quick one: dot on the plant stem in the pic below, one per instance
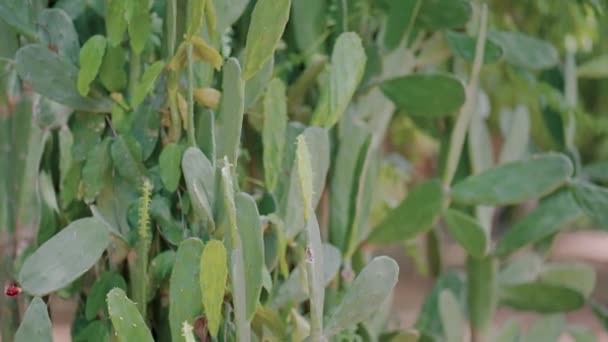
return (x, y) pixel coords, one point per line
(134, 71)
(175, 131)
(571, 95)
(466, 112)
(191, 131)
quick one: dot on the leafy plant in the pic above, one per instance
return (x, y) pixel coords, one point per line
(213, 169)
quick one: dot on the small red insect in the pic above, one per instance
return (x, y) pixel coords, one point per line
(12, 290)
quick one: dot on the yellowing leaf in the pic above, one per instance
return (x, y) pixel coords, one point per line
(208, 97)
(205, 52)
(213, 275)
(304, 175)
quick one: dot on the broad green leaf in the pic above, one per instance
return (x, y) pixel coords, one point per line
(309, 24)
(521, 269)
(514, 182)
(229, 120)
(304, 174)
(576, 276)
(170, 229)
(184, 291)
(414, 215)
(597, 171)
(428, 321)
(251, 235)
(347, 67)
(127, 159)
(595, 68)
(127, 322)
(400, 14)
(169, 163)
(138, 24)
(429, 95)
(96, 298)
(593, 200)
(87, 130)
(229, 207)
(540, 297)
(273, 133)
(481, 291)
(159, 271)
(55, 77)
(228, 11)
(17, 14)
(517, 136)
(508, 332)
(55, 28)
(468, 232)
(268, 21)
(112, 72)
(96, 169)
(545, 329)
(91, 56)
(199, 175)
(371, 287)
(463, 46)
(146, 84)
(96, 331)
(116, 20)
(443, 14)
(452, 318)
(36, 324)
(196, 12)
(525, 51)
(145, 128)
(53, 266)
(214, 266)
(550, 216)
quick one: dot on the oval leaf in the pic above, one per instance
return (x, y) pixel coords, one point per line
(116, 21)
(96, 299)
(36, 324)
(213, 277)
(55, 77)
(576, 276)
(266, 27)
(55, 28)
(543, 298)
(414, 215)
(229, 120)
(524, 51)
(138, 23)
(468, 232)
(515, 182)
(146, 83)
(199, 176)
(273, 133)
(112, 72)
(53, 266)
(91, 56)
(425, 94)
(593, 200)
(452, 317)
(127, 322)
(442, 14)
(169, 163)
(371, 287)
(463, 46)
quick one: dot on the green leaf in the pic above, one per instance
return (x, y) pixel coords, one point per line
(508, 332)
(170, 229)
(196, 12)
(146, 84)
(371, 287)
(525, 51)
(517, 136)
(96, 331)
(414, 215)
(550, 216)
(308, 25)
(468, 232)
(347, 67)
(127, 159)
(55, 77)
(399, 15)
(452, 318)
(481, 291)
(55, 28)
(581, 334)
(112, 72)
(17, 14)
(229, 120)
(463, 46)
(443, 14)
(540, 297)
(116, 21)
(268, 21)
(521, 269)
(228, 11)
(138, 24)
(96, 298)
(127, 322)
(251, 234)
(597, 171)
(429, 322)
(594, 68)
(429, 95)
(53, 266)
(214, 266)
(545, 329)
(601, 313)
(199, 175)
(576, 276)
(304, 174)
(91, 56)
(254, 87)
(96, 170)
(159, 271)
(593, 200)
(36, 324)
(184, 291)
(273, 133)
(146, 128)
(514, 182)
(169, 163)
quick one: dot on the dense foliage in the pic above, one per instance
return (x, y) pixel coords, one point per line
(230, 169)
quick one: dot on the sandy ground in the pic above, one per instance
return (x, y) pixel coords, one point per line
(412, 288)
